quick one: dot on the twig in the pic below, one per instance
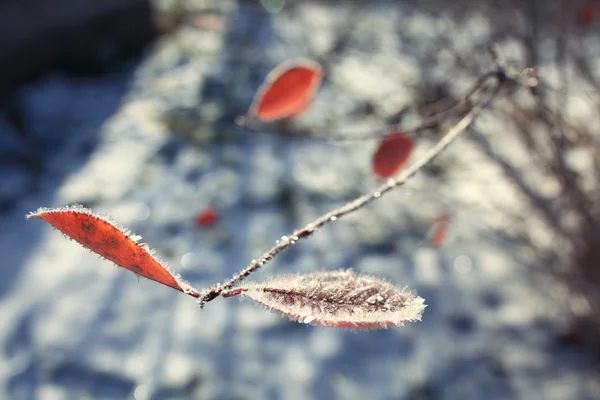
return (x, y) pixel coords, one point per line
(489, 91)
(374, 132)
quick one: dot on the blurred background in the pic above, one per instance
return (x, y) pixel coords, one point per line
(129, 106)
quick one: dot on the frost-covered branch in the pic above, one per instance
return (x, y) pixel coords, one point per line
(488, 89)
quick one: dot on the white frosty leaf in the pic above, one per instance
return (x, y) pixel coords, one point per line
(340, 299)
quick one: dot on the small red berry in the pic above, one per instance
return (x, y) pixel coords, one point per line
(207, 217)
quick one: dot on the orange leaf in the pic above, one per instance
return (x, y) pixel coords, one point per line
(392, 153)
(287, 91)
(111, 242)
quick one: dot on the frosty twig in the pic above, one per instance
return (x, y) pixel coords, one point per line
(487, 88)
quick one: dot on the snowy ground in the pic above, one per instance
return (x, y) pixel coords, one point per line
(156, 143)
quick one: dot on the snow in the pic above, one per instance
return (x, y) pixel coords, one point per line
(139, 146)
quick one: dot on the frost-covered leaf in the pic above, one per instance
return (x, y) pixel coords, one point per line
(391, 154)
(287, 91)
(339, 299)
(107, 239)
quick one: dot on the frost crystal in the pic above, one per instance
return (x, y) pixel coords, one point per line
(340, 299)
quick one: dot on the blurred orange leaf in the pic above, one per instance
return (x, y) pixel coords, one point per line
(287, 91)
(439, 231)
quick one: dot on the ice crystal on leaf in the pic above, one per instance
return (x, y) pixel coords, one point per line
(340, 299)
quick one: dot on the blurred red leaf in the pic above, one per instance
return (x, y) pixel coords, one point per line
(391, 154)
(439, 230)
(339, 299)
(207, 217)
(588, 13)
(287, 91)
(111, 242)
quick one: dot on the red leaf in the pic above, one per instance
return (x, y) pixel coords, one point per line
(392, 153)
(207, 217)
(587, 14)
(339, 299)
(111, 242)
(439, 231)
(287, 91)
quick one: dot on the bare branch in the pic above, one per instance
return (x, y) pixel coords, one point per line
(488, 89)
(372, 132)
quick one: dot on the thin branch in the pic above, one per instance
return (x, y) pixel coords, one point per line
(489, 92)
(374, 132)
